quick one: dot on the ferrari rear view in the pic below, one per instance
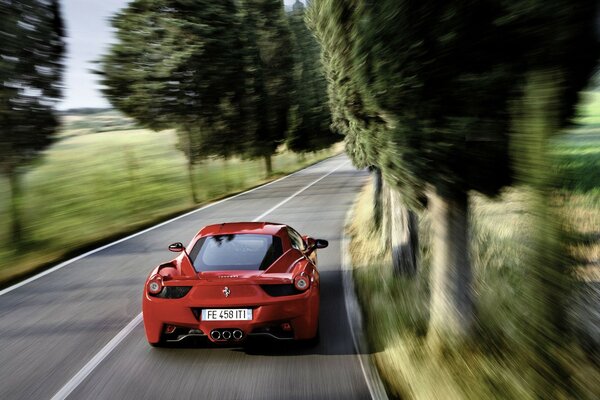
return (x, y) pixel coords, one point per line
(236, 281)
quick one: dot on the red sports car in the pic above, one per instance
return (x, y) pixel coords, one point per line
(236, 280)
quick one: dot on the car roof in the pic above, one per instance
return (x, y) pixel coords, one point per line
(229, 228)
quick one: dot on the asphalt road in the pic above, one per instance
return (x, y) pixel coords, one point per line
(64, 332)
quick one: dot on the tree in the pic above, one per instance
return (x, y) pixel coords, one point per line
(556, 68)
(269, 77)
(31, 54)
(367, 136)
(179, 64)
(447, 100)
(310, 118)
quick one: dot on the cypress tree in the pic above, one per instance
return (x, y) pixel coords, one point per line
(31, 55)
(269, 80)
(445, 79)
(350, 115)
(368, 135)
(179, 64)
(310, 117)
(555, 68)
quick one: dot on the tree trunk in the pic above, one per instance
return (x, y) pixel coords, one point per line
(535, 168)
(16, 227)
(548, 286)
(377, 196)
(268, 165)
(451, 310)
(190, 166)
(403, 233)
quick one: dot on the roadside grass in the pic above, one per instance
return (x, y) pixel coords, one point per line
(589, 110)
(500, 362)
(579, 156)
(88, 188)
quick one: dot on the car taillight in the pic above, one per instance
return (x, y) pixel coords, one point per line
(301, 282)
(155, 285)
(174, 292)
(287, 289)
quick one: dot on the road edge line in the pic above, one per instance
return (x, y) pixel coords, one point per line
(91, 365)
(106, 246)
(355, 320)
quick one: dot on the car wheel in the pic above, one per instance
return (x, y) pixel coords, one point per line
(157, 344)
(313, 342)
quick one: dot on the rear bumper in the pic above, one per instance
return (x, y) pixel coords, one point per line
(300, 311)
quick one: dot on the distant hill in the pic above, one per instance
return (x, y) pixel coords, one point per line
(83, 111)
(83, 121)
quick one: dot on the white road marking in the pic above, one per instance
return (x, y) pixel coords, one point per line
(276, 206)
(354, 314)
(97, 359)
(89, 253)
(91, 365)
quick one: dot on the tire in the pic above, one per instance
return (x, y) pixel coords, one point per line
(313, 342)
(317, 339)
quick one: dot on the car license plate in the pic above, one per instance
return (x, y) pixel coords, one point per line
(227, 314)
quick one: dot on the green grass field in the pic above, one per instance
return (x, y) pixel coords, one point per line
(90, 187)
(499, 363)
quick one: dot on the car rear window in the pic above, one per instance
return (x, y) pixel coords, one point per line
(235, 252)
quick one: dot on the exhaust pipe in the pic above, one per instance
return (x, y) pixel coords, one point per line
(226, 335)
(215, 334)
(238, 334)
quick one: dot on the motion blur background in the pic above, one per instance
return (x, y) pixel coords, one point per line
(475, 247)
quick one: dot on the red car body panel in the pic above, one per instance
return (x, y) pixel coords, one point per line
(298, 313)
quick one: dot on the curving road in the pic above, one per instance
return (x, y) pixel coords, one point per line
(76, 333)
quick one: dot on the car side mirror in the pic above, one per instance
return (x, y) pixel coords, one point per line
(309, 242)
(177, 247)
(321, 243)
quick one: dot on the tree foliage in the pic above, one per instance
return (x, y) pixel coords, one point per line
(220, 72)
(270, 81)
(179, 64)
(310, 118)
(444, 80)
(350, 115)
(31, 54)
(31, 69)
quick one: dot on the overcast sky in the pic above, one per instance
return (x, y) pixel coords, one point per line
(88, 33)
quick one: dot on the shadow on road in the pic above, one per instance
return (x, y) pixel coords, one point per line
(335, 336)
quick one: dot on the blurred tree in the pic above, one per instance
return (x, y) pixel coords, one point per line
(31, 54)
(367, 135)
(556, 67)
(269, 81)
(310, 118)
(444, 78)
(350, 115)
(180, 64)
